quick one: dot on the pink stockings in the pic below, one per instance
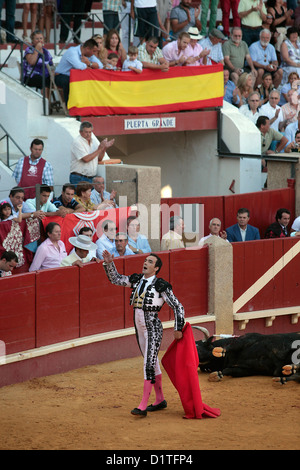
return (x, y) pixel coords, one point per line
(147, 392)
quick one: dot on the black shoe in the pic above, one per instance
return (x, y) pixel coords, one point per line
(138, 412)
(160, 406)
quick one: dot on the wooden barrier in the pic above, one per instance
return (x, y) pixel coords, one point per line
(262, 206)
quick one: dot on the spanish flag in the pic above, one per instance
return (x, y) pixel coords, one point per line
(106, 92)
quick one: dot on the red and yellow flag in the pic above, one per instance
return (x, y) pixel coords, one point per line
(105, 92)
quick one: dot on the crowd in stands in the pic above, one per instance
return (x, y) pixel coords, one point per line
(260, 52)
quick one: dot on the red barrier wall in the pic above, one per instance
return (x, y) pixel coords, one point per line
(56, 305)
(17, 312)
(252, 260)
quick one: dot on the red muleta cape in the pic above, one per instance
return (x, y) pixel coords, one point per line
(181, 364)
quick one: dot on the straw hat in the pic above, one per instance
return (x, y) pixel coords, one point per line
(194, 33)
(83, 242)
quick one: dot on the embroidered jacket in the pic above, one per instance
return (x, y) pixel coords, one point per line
(157, 293)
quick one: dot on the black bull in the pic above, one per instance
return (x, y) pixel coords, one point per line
(251, 354)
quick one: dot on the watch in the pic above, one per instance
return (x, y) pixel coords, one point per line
(31, 215)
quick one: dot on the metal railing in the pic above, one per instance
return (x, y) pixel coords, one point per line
(9, 138)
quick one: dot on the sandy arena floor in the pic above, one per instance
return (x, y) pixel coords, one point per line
(90, 409)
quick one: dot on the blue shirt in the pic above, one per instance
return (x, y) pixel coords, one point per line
(131, 63)
(128, 252)
(229, 88)
(72, 60)
(141, 243)
(261, 55)
(104, 243)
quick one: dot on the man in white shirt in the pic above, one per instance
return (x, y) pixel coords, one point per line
(173, 238)
(215, 229)
(86, 153)
(99, 194)
(83, 245)
(272, 110)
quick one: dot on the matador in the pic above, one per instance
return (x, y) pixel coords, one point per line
(149, 293)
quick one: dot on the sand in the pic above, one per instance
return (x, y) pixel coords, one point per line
(89, 408)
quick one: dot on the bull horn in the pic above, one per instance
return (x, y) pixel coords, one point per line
(204, 331)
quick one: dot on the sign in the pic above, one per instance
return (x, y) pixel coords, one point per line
(156, 123)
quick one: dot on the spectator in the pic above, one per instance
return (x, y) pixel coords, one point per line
(101, 53)
(231, 92)
(122, 248)
(295, 145)
(88, 232)
(46, 16)
(144, 12)
(132, 64)
(173, 238)
(293, 82)
(107, 239)
(265, 88)
(29, 6)
(99, 194)
(51, 252)
(242, 231)
(66, 202)
(214, 43)
(296, 223)
(282, 17)
(113, 45)
(33, 169)
(290, 54)
(47, 207)
(253, 14)
(10, 9)
(290, 110)
(33, 63)
(264, 58)
(183, 17)
(226, 5)
(6, 212)
(110, 9)
(212, 17)
(126, 22)
(71, 11)
(86, 153)
(151, 55)
(16, 199)
(291, 129)
(235, 53)
(214, 229)
(245, 87)
(137, 242)
(197, 55)
(83, 197)
(272, 110)
(176, 51)
(79, 57)
(269, 135)
(278, 229)
(112, 62)
(251, 110)
(83, 245)
(8, 262)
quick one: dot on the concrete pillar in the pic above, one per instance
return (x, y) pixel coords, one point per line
(141, 185)
(220, 290)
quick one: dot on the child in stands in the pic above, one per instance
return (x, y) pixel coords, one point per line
(132, 64)
(112, 61)
(6, 212)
